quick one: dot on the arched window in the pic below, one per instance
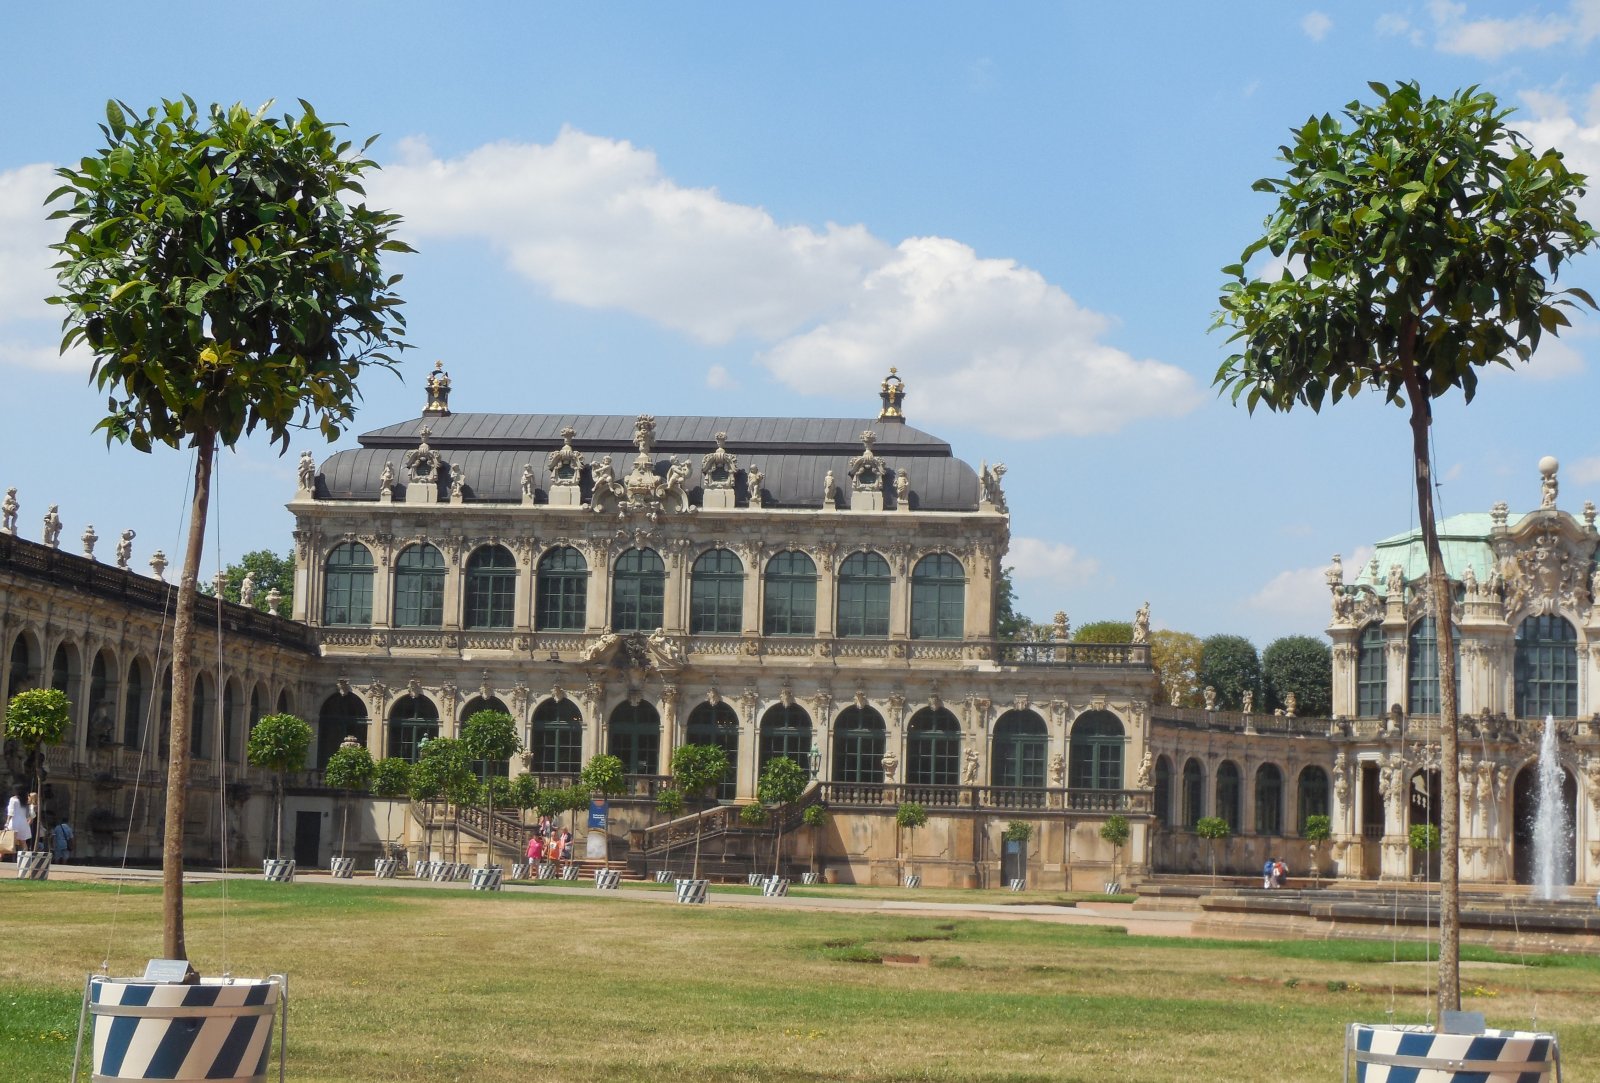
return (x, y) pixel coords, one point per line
(1020, 744)
(1372, 676)
(635, 737)
(716, 594)
(1269, 800)
(1095, 760)
(347, 585)
(199, 740)
(557, 744)
(491, 588)
(232, 706)
(1422, 668)
(412, 720)
(342, 715)
(22, 666)
(863, 597)
(1547, 668)
(717, 724)
(1163, 794)
(933, 748)
(786, 731)
(1227, 808)
(1313, 795)
(561, 589)
(134, 707)
(102, 701)
(1194, 793)
(858, 745)
(938, 598)
(638, 592)
(791, 596)
(419, 587)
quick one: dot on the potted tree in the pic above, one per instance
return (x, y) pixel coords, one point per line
(1216, 829)
(490, 737)
(349, 768)
(425, 783)
(391, 778)
(1015, 840)
(1115, 831)
(601, 776)
(815, 817)
(669, 803)
(782, 782)
(753, 815)
(278, 743)
(908, 817)
(525, 795)
(35, 718)
(695, 769)
(1424, 841)
(1317, 831)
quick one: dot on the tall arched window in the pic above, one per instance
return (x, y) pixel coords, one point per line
(1372, 675)
(933, 748)
(1269, 800)
(716, 594)
(347, 585)
(561, 590)
(419, 587)
(1313, 795)
(1020, 744)
(22, 666)
(1547, 668)
(200, 741)
(134, 707)
(491, 588)
(342, 715)
(1422, 668)
(412, 720)
(938, 598)
(1095, 762)
(102, 701)
(1194, 792)
(638, 592)
(858, 746)
(863, 596)
(1163, 794)
(790, 596)
(557, 744)
(635, 737)
(718, 724)
(786, 731)
(1228, 794)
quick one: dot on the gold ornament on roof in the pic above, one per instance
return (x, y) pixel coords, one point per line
(893, 393)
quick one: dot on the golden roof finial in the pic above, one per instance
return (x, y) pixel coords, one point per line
(893, 393)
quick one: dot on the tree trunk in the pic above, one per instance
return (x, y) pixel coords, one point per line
(277, 808)
(1449, 776)
(777, 847)
(172, 939)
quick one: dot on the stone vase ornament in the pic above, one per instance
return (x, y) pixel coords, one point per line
(33, 864)
(278, 870)
(343, 868)
(147, 1028)
(1389, 1053)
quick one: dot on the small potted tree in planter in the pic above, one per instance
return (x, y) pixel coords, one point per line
(1424, 839)
(36, 718)
(753, 815)
(603, 776)
(350, 768)
(669, 803)
(814, 817)
(278, 743)
(391, 778)
(491, 738)
(695, 769)
(525, 795)
(1216, 829)
(909, 816)
(1317, 831)
(1115, 831)
(1015, 839)
(781, 784)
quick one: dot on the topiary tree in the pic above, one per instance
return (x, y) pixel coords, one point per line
(669, 802)
(1420, 238)
(1230, 665)
(1318, 829)
(391, 778)
(278, 743)
(35, 718)
(753, 815)
(909, 816)
(1302, 665)
(1216, 829)
(781, 783)
(490, 737)
(349, 768)
(224, 270)
(1104, 631)
(444, 771)
(1115, 831)
(815, 817)
(695, 769)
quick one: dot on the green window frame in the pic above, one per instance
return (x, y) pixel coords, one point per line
(1547, 668)
(1313, 796)
(933, 748)
(716, 594)
(938, 598)
(1194, 792)
(561, 591)
(786, 731)
(1372, 674)
(859, 740)
(638, 592)
(1163, 791)
(1422, 668)
(1094, 754)
(634, 737)
(419, 587)
(347, 585)
(790, 595)
(718, 724)
(1227, 806)
(1021, 743)
(863, 606)
(1269, 799)
(491, 588)
(556, 738)
(413, 720)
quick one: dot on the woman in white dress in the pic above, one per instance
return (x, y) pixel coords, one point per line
(17, 820)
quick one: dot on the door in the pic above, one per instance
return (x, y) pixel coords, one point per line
(307, 839)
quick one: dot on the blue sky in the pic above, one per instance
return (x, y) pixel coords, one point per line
(747, 209)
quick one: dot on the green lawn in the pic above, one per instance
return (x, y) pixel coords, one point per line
(399, 984)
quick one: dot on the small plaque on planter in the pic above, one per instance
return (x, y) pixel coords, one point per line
(170, 972)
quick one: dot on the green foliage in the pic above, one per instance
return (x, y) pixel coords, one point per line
(490, 736)
(669, 802)
(38, 717)
(696, 768)
(1424, 837)
(224, 269)
(271, 571)
(1009, 624)
(426, 779)
(814, 815)
(576, 798)
(1104, 631)
(1229, 664)
(447, 763)
(602, 774)
(1115, 831)
(391, 777)
(782, 781)
(526, 791)
(1017, 831)
(910, 814)
(1175, 656)
(1212, 827)
(1318, 828)
(498, 789)
(753, 815)
(350, 768)
(1302, 665)
(278, 742)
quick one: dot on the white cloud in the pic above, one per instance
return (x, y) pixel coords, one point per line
(1585, 471)
(595, 222)
(1301, 594)
(1554, 124)
(1398, 26)
(1490, 39)
(1316, 25)
(719, 379)
(29, 328)
(1050, 563)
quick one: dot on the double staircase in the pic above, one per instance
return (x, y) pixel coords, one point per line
(727, 846)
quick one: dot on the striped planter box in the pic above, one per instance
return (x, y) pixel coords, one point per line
(810, 878)
(440, 870)
(755, 879)
(1113, 887)
(569, 872)
(343, 868)
(547, 870)
(279, 871)
(384, 868)
(1019, 885)
(33, 864)
(692, 891)
(219, 1029)
(423, 870)
(519, 871)
(462, 871)
(607, 879)
(1402, 1054)
(488, 879)
(663, 876)
(775, 887)
(913, 880)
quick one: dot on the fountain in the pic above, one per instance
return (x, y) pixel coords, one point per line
(1550, 843)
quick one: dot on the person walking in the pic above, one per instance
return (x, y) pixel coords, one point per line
(1266, 874)
(61, 839)
(17, 820)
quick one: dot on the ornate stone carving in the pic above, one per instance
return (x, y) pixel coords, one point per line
(438, 387)
(1546, 575)
(422, 462)
(1395, 587)
(1062, 627)
(1058, 769)
(719, 468)
(52, 527)
(458, 481)
(866, 470)
(158, 565)
(891, 764)
(247, 589)
(89, 538)
(1249, 700)
(274, 599)
(1588, 514)
(1141, 624)
(386, 480)
(989, 490)
(1549, 487)
(1142, 779)
(902, 490)
(754, 479)
(377, 694)
(601, 648)
(1210, 698)
(564, 465)
(307, 472)
(1498, 514)
(125, 549)
(969, 766)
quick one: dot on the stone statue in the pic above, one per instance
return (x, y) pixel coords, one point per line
(1058, 769)
(458, 480)
(1469, 581)
(158, 565)
(665, 651)
(601, 649)
(1548, 486)
(605, 482)
(677, 483)
(891, 764)
(52, 527)
(125, 549)
(527, 481)
(969, 767)
(1142, 779)
(1249, 700)
(989, 490)
(422, 462)
(1397, 581)
(1141, 624)
(247, 589)
(564, 465)
(308, 472)
(88, 539)
(902, 486)
(8, 511)
(719, 468)
(1211, 698)
(644, 433)
(1061, 626)
(827, 487)
(753, 479)
(1289, 704)
(386, 479)
(1335, 573)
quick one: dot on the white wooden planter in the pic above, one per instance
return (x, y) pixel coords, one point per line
(692, 891)
(219, 1029)
(488, 879)
(1385, 1053)
(384, 868)
(775, 887)
(278, 870)
(663, 876)
(343, 868)
(810, 878)
(607, 879)
(33, 864)
(913, 880)
(569, 872)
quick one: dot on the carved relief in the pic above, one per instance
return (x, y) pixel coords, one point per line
(564, 465)
(866, 470)
(718, 468)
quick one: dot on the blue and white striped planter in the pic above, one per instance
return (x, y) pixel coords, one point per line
(440, 870)
(913, 880)
(569, 872)
(810, 878)
(423, 870)
(488, 879)
(219, 1029)
(278, 870)
(384, 868)
(607, 879)
(775, 887)
(547, 870)
(343, 868)
(755, 879)
(663, 876)
(692, 891)
(1113, 887)
(519, 870)
(462, 871)
(33, 864)
(1407, 1054)
(1019, 884)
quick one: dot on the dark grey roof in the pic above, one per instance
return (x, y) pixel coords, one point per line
(794, 454)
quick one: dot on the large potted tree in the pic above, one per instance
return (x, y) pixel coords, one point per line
(908, 817)
(1216, 830)
(695, 769)
(814, 817)
(1317, 831)
(36, 718)
(601, 777)
(781, 784)
(669, 803)
(1115, 832)
(349, 769)
(224, 270)
(490, 738)
(278, 743)
(391, 778)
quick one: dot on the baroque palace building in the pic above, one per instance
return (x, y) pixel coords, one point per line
(820, 589)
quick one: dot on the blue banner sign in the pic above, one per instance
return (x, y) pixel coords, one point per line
(597, 813)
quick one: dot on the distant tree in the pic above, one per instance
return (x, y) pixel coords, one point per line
(1116, 832)
(815, 817)
(271, 571)
(391, 778)
(1176, 659)
(669, 803)
(490, 737)
(1302, 665)
(1009, 623)
(35, 718)
(1104, 631)
(444, 770)
(1230, 665)
(349, 768)
(782, 782)
(909, 816)
(278, 743)
(695, 769)
(1217, 830)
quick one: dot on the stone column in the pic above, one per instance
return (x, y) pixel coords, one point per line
(675, 598)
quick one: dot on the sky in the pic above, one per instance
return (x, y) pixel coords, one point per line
(751, 209)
